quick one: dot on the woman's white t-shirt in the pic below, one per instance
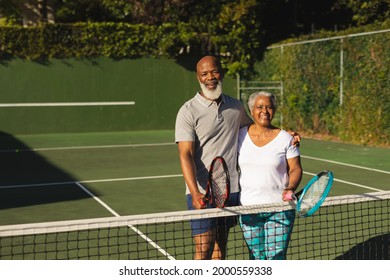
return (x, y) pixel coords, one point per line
(264, 173)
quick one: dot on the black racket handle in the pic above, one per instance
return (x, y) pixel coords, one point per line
(205, 200)
(298, 194)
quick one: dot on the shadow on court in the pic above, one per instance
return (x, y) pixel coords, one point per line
(27, 178)
(376, 248)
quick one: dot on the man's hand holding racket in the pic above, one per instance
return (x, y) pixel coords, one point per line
(197, 201)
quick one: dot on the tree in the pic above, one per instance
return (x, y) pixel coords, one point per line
(151, 12)
(9, 13)
(13, 12)
(365, 12)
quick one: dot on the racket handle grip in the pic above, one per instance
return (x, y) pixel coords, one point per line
(204, 201)
(290, 196)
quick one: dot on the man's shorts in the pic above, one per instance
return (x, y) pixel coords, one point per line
(199, 226)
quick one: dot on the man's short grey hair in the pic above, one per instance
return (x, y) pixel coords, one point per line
(253, 96)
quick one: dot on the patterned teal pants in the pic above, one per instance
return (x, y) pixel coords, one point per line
(268, 234)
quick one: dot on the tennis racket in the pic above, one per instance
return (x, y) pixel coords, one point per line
(218, 185)
(310, 198)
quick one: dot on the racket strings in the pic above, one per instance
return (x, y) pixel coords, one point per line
(314, 193)
(219, 184)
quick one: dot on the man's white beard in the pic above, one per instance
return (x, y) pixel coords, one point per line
(212, 94)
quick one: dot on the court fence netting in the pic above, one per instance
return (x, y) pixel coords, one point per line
(351, 227)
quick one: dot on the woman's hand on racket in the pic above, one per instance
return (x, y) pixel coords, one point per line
(288, 195)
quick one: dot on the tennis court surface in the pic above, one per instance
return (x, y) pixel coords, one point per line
(120, 195)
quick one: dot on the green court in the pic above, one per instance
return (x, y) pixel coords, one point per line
(139, 172)
(57, 177)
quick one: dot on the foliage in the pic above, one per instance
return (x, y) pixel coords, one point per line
(10, 12)
(311, 78)
(232, 33)
(366, 12)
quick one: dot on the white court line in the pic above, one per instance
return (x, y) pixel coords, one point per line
(87, 147)
(147, 178)
(346, 164)
(133, 178)
(348, 183)
(97, 199)
(167, 144)
(141, 234)
(90, 181)
(65, 104)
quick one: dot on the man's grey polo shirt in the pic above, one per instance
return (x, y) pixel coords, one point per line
(214, 129)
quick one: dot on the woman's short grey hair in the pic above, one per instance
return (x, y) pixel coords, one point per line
(253, 96)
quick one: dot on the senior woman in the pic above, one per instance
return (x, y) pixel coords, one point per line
(270, 172)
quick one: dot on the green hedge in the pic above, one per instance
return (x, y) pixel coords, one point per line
(123, 41)
(113, 40)
(311, 79)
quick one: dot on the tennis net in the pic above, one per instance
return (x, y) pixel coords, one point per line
(345, 227)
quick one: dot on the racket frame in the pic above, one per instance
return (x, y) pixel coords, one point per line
(209, 196)
(325, 193)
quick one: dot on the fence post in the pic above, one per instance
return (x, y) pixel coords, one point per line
(238, 86)
(341, 70)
